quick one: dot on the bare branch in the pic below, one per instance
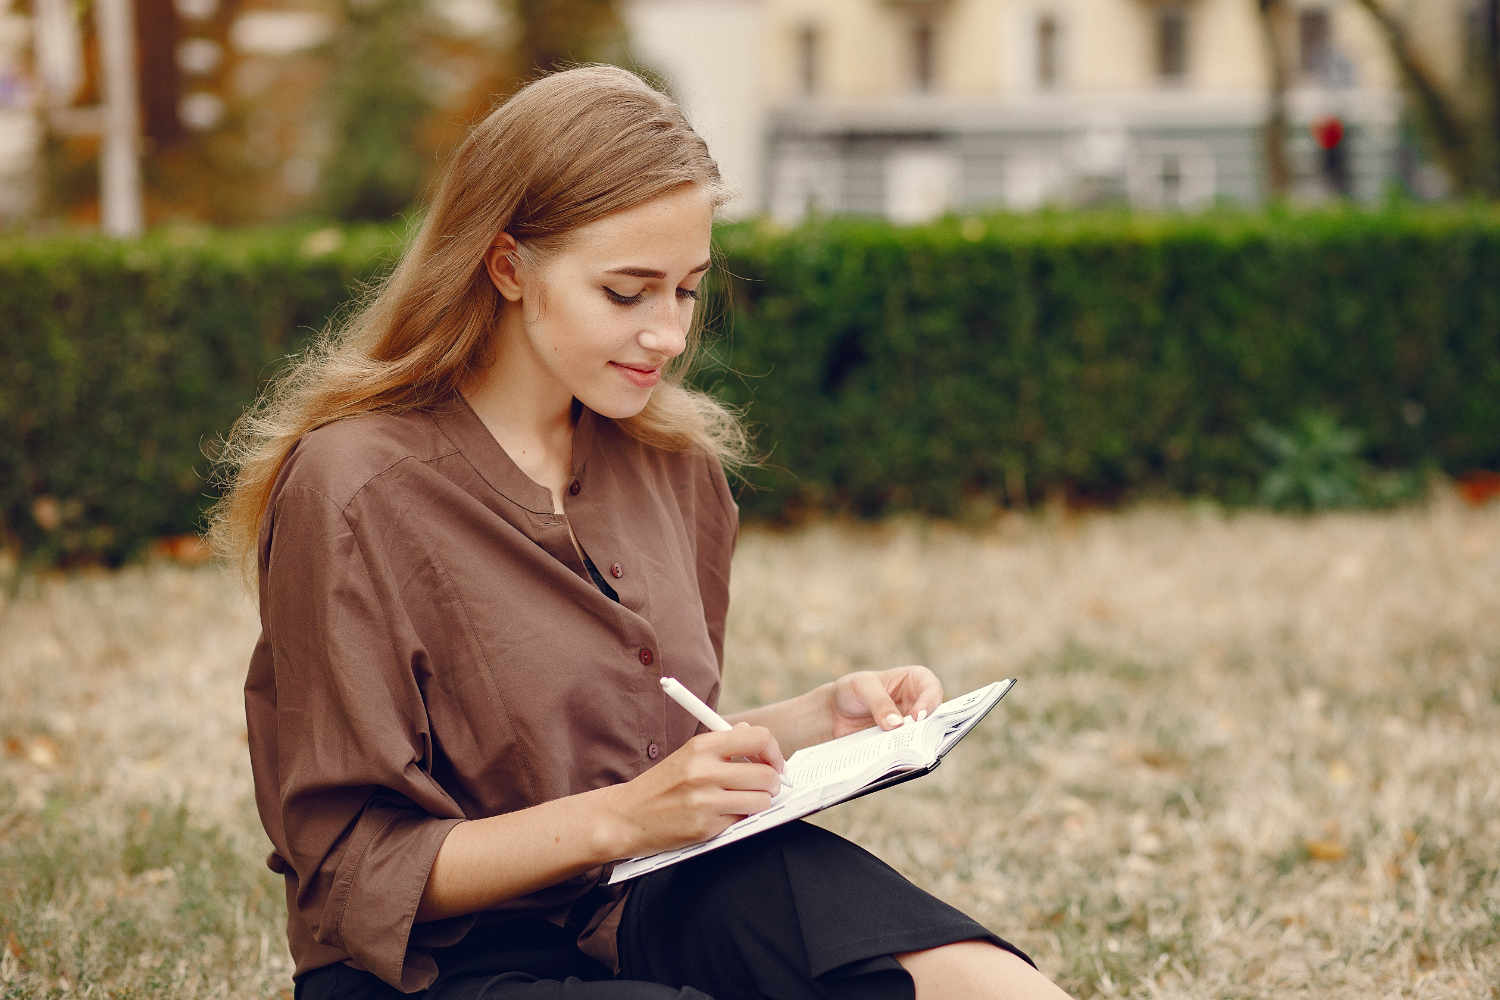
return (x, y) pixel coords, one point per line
(1448, 126)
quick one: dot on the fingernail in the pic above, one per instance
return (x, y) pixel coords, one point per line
(922, 715)
(893, 720)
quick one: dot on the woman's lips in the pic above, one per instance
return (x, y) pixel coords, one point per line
(641, 378)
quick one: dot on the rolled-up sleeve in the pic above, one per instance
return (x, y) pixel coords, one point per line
(361, 816)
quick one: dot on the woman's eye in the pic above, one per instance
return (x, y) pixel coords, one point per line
(624, 300)
(630, 300)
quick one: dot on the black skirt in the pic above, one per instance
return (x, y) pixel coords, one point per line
(795, 913)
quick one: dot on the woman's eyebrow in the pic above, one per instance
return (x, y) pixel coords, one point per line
(646, 272)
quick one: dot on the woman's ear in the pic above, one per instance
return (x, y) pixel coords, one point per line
(500, 262)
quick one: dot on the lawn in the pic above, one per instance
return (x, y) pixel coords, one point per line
(1248, 755)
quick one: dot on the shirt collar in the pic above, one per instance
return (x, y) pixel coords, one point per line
(473, 439)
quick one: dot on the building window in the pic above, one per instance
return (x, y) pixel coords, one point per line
(1171, 44)
(1048, 56)
(924, 68)
(807, 59)
(1314, 42)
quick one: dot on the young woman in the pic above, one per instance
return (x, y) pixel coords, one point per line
(486, 518)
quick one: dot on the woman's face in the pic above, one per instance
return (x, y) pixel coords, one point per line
(603, 315)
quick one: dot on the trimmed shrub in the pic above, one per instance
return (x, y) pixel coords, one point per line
(1106, 355)
(888, 368)
(122, 362)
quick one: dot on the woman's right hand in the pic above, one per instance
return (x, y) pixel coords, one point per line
(692, 795)
(697, 792)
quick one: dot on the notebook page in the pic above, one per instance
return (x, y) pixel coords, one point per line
(790, 804)
(965, 703)
(835, 771)
(962, 713)
(837, 758)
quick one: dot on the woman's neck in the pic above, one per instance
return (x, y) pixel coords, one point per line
(529, 413)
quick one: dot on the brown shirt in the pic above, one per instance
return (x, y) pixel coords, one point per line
(433, 650)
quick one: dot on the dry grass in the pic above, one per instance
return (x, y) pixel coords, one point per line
(1249, 756)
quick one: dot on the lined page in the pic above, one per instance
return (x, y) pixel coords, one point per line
(831, 760)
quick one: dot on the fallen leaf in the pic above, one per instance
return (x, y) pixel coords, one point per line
(1326, 850)
(1479, 487)
(187, 549)
(156, 876)
(1339, 773)
(47, 513)
(43, 751)
(14, 747)
(1159, 759)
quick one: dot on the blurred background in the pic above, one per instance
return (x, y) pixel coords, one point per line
(270, 110)
(1145, 350)
(994, 251)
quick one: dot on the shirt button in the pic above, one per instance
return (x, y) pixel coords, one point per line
(646, 657)
(616, 572)
(574, 487)
(653, 751)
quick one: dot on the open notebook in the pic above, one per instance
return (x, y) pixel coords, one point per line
(844, 769)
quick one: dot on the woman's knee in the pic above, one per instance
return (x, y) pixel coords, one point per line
(976, 970)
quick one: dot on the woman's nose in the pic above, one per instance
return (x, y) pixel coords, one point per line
(666, 334)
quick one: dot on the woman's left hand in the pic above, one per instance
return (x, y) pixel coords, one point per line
(883, 698)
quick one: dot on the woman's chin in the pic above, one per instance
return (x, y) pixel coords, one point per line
(618, 405)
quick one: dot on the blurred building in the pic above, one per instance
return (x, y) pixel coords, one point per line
(223, 90)
(901, 108)
(910, 108)
(713, 56)
(20, 131)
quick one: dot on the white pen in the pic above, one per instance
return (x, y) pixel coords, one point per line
(713, 720)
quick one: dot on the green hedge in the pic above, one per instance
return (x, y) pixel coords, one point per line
(122, 363)
(887, 368)
(1106, 355)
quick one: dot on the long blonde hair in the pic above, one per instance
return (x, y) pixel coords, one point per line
(565, 151)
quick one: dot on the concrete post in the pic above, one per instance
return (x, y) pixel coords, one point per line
(120, 208)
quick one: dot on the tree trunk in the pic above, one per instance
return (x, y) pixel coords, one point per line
(556, 34)
(157, 33)
(1455, 147)
(1272, 15)
(1489, 66)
